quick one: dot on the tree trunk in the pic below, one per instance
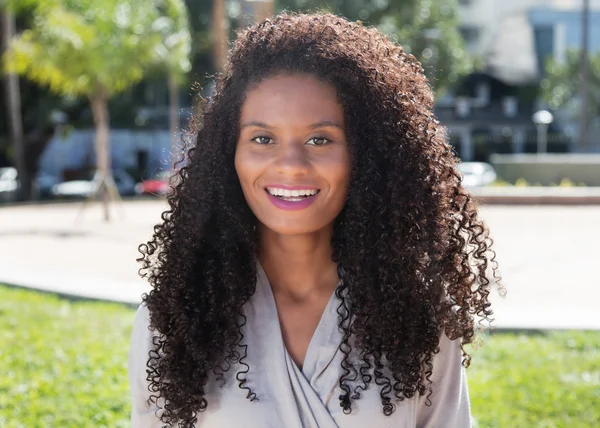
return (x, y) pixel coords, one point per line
(174, 119)
(13, 101)
(220, 31)
(102, 146)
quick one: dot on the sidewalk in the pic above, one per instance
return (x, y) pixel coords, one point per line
(43, 247)
(538, 195)
(547, 254)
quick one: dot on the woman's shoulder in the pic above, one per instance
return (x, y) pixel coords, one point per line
(141, 336)
(142, 314)
(450, 352)
(448, 404)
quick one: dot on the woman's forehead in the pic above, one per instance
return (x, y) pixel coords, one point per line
(300, 97)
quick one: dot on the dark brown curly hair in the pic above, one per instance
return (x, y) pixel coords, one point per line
(415, 260)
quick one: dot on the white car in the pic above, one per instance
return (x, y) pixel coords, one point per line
(9, 184)
(476, 174)
(83, 188)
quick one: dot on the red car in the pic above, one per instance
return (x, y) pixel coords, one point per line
(159, 185)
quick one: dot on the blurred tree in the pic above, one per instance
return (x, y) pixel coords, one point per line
(173, 55)
(96, 49)
(560, 86)
(426, 28)
(13, 102)
(200, 20)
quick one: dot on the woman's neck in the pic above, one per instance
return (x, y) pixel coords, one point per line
(298, 265)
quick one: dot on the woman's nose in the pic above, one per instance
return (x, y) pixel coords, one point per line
(292, 158)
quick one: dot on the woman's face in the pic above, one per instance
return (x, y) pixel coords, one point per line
(292, 157)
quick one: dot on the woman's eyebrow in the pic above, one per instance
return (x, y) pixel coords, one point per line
(256, 124)
(326, 123)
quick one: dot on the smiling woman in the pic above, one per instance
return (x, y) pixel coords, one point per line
(321, 264)
(292, 154)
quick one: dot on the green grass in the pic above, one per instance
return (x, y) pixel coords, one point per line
(538, 381)
(64, 364)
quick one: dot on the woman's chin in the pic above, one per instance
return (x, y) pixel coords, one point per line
(292, 228)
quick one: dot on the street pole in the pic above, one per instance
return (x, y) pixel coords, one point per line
(264, 9)
(15, 123)
(585, 76)
(220, 33)
(257, 10)
(542, 137)
(542, 120)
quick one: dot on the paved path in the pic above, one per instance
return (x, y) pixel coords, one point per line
(549, 257)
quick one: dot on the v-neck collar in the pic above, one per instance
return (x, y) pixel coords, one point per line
(322, 338)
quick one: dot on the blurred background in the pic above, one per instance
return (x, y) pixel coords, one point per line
(95, 102)
(493, 64)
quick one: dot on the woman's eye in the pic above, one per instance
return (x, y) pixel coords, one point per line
(262, 140)
(318, 141)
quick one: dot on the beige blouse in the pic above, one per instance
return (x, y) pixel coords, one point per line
(307, 398)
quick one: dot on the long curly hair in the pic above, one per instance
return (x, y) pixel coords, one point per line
(414, 258)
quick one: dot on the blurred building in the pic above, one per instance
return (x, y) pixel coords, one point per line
(135, 154)
(140, 151)
(491, 111)
(514, 36)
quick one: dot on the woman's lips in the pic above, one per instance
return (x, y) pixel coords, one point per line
(283, 204)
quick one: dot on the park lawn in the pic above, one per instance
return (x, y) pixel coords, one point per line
(543, 380)
(64, 364)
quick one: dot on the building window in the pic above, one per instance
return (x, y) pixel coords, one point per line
(510, 107)
(544, 45)
(463, 108)
(469, 34)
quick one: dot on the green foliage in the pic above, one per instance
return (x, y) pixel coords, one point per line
(561, 85)
(200, 18)
(78, 47)
(174, 50)
(64, 365)
(18, 5)
(546, 380)
(426, 28)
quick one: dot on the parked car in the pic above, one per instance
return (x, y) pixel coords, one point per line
(158, 185)
(9, 184)
(80, 189)
(476, 174)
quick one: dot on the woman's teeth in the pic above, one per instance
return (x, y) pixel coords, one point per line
(292, 195)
